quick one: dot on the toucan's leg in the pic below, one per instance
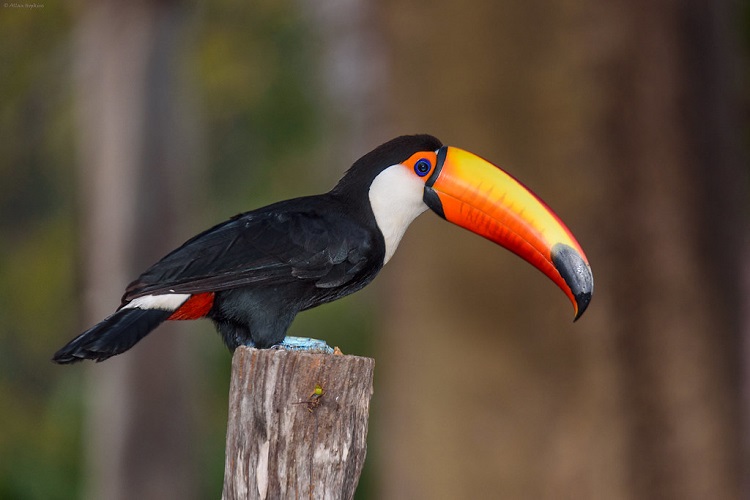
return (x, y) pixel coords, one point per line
(304, 344)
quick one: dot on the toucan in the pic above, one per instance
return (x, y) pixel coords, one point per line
(253, 273)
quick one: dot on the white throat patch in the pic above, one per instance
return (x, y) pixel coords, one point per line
(396, 200)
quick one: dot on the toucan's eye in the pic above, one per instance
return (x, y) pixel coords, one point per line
(422, 167)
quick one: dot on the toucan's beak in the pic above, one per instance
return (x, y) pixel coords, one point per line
(477, 195)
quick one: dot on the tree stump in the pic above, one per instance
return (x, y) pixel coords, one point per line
(297, 424)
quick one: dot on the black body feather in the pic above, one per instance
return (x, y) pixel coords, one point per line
(267, 265)
(114, 335)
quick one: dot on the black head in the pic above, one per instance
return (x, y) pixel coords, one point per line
(360, 176)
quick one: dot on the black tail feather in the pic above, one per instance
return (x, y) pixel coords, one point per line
(114, 335)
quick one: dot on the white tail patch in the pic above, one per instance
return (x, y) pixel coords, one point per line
(165, 302)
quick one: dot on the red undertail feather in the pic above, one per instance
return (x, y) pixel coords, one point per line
(197, 306)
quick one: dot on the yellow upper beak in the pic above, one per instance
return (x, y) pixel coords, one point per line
(477, 195)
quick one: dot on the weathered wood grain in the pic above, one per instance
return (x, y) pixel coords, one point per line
(285, 439)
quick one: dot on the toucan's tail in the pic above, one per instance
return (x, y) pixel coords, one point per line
(114, 335)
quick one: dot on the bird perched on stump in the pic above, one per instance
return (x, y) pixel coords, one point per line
(252, 274)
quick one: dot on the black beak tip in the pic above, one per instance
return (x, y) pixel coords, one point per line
(582, 300)
(576, 273)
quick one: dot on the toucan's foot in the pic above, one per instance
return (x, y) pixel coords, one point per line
(304, 344)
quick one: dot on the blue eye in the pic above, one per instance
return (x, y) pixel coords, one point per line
(422, 167)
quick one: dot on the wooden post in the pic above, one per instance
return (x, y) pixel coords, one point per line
(297, 424)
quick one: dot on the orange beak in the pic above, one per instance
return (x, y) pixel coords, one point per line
(477, 195)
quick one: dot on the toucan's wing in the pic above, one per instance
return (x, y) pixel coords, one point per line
(281, 243)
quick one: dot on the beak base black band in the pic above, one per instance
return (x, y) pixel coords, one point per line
(430, 197)
(441, 154)
(432, 200)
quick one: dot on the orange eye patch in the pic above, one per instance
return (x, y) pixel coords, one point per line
(421, 163)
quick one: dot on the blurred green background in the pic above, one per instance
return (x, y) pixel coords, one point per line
(629, 119)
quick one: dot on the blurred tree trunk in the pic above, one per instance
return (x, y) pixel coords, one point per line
(669, 133)
(135, 180)
(352, 76)
(620, 116)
